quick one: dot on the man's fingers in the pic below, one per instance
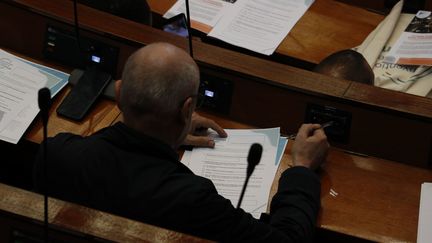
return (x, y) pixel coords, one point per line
(208, 123)
(319, 133)
(201, 141)
(307, 129)
(217, 128)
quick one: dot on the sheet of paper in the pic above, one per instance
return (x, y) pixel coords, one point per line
(373, 45)
(226, 166)
(207, 12)
(414, 46)
(19, 84)
(424, 232)
(412, 79)
(283, 141)
(56, 80)
(259, 25)
(20, 81)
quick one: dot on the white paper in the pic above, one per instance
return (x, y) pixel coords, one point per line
(414, 46)
(20, 81)
(204, 11)
(412, 79)
(259, 25)
(225, 165)
(424, 231)
(373, 45)
(19, 85)
(283, 141)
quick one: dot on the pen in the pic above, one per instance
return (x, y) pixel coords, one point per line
(324, 125)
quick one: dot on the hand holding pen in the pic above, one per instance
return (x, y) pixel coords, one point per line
(310, 147)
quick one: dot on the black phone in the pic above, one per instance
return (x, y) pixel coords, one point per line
(84, 94)
(177, 25)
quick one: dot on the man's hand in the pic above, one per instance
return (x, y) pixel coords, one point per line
(198, 134)
(310, 146)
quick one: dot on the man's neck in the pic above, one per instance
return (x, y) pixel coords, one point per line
(162, 130)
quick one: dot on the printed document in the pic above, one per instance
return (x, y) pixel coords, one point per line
(412, 79)
(20, 81)
(259, 25)
(225, 165)
(424, 232)
(414, 46)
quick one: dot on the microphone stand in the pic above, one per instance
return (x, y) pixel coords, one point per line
(243, 191)
(77, 35)
(253, 159)
(44, 100)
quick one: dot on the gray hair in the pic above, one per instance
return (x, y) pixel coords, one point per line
(157, 82)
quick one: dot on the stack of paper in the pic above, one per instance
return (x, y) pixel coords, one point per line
(20, 81)
(377, 48)
(414, 44)
(257, 25)
(424, 232)
(226, 165)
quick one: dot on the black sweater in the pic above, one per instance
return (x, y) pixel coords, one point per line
(120, 171)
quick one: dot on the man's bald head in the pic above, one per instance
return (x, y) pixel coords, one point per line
(156, 80)
(346, 64)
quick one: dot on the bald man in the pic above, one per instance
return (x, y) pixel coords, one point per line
(132, 168)
(346, 64)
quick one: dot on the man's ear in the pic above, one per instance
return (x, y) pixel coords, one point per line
(187, 110)
(117, 88)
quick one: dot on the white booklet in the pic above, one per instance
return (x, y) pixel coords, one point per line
(424, 232)
(414, 46)
(20, 81)
(225, 165)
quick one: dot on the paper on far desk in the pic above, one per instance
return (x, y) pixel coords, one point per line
(207, 12)
(20, 81)
(226, 166)
(414, 46)
(259, 25)
(424, 231)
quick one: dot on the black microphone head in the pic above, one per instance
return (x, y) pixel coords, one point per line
(44, 99)
(254, 155)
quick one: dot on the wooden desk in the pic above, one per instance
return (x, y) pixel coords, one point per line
(280, 93)
(377, 199)
(328, 26)
(101, 115)
(364, 197)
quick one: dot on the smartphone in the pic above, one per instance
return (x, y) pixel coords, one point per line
(84, 94)
(177, 25)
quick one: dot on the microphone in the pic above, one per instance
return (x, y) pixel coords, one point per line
(253, 160)
(44, 101)
(189, 28)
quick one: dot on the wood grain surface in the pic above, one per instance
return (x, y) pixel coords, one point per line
(67, 217)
